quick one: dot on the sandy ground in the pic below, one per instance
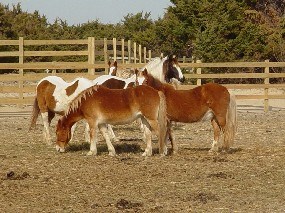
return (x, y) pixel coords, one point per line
(251, 178)
(35, 178)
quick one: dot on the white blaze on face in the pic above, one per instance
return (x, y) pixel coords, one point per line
(111, 70)
(180, 74)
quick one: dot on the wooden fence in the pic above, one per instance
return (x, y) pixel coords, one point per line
(18, 88)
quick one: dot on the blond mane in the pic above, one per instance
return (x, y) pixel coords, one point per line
(76, 102)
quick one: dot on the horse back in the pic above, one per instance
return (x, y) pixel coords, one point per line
(45, 98)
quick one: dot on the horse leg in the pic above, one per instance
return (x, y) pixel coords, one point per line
(171, 138)
(72, 131)
(104, 129)
(155, 127)
(87, 133)
(93, 140)
(147, 134)
(112, 134)
(46, 133)
(217, 130)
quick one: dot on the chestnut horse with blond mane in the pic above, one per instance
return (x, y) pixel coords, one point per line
(100, 106)
(210, 101)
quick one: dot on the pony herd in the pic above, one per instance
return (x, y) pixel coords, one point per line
(146, 95)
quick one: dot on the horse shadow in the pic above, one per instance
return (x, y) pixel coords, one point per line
(230, 151)
(121, 147)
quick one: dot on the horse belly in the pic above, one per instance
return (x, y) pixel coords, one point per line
(119, 118)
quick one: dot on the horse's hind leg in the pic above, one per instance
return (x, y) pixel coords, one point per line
(104, 129)
(93, 140)
(171, 138)
(73, 128)
(46, 133)
(112, 134)
(217, 131)
(147, 135)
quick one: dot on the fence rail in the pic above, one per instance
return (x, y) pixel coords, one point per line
(19, 89)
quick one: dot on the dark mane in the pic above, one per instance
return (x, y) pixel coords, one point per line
(75, 103)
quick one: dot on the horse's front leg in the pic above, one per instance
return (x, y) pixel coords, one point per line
(93, 140)
(46, 134)
(104, 129)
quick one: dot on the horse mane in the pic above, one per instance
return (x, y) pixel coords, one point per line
(158, 84)
(76, 102)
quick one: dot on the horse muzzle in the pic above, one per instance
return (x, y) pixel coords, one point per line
(59, 149)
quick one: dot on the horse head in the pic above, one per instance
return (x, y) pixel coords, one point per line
(113, 67)
(63, 135)
(172, 69)
(144, 78)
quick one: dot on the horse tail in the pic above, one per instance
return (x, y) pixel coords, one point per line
(35, 113)
(162, 120)
(231, 123)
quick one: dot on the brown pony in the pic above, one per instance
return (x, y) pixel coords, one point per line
(210, 101)
(100, 106)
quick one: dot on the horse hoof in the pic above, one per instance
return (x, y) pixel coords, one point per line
(112, 154)
(116, 140)
(147, 154)
(59, 149)
(90, 153)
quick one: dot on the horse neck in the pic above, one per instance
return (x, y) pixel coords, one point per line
(161, 86)
(72, 117)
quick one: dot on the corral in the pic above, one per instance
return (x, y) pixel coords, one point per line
(35, 178)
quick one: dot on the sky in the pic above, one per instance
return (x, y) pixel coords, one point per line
(81, 11)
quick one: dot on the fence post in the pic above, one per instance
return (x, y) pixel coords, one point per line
(91, 54)
(115, 49)
(266, 90)
(184, 59)
(123, 51)
(106, 55)
(140, 53)
(129, 51)
(199, 71)
(135, 52)
(149, 55)
(21, 71)
(144, 55)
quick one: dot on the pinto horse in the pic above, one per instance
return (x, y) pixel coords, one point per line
(53, 95)
(100, 106)
(114, 71)
(165, 69)
(207, 102)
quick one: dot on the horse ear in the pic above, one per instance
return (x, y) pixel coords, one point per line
(136, 71)
(115, 64)
(109, 63)
(145, 71)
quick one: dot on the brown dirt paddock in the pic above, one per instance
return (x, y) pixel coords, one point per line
(251, 178)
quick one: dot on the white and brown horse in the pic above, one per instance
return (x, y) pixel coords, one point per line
(100, 106)
(53, 95)
(207, 102)
(165, 69)
(121, 73)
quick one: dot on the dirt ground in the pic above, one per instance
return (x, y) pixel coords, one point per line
(251, 178)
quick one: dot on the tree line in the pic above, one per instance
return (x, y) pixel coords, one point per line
(211, 30)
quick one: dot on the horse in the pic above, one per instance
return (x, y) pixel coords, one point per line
(53, 95)
(114, 71)
(165, 69)
(210, 101)
(100, 106)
